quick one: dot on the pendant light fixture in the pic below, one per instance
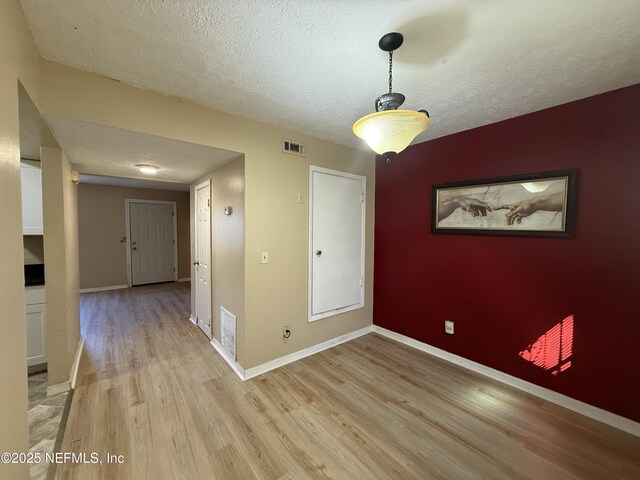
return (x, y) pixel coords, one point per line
(389, 130)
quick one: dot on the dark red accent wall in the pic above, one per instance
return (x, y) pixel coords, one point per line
(504, 292)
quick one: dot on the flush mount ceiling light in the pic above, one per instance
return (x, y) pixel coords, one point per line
(389, 130)
(148, 169)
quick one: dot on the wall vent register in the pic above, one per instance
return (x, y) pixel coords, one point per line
(228, 331)
(293, 148)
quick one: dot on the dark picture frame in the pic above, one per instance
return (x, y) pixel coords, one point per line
(529, 205)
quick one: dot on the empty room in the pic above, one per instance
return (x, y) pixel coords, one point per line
(281, 239)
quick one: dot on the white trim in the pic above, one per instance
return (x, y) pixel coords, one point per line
(186, 279)
(227, 358)
(572, 404)
(102, 289)
(300, 354)
(76, 363)
(287, 359)
(127, 233)
(127, 207)
(193, 319)
(363, 181)
(206, 330)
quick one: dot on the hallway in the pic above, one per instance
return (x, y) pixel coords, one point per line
(152, 389)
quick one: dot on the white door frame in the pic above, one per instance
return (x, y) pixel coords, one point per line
(194, 280)
(363, 180)
(127, 209)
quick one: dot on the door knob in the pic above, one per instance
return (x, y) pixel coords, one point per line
(134, 248)
(196, 263)
(318, 252)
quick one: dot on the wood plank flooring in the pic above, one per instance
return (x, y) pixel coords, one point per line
(45, 419)
(152, 389)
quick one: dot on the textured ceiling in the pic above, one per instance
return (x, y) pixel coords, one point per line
(133, 183)
(101, 150)
(314, 66)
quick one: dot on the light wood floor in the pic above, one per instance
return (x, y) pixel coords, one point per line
(45, 418)
(151, 388)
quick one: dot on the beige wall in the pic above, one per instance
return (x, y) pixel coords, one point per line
(277, 292)
(227, 243)
(274, 220)
(59, 199)
(20, 62)
(101, 219)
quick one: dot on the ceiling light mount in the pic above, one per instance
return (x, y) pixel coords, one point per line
(390, 101)
(389, 130)
(391, 41)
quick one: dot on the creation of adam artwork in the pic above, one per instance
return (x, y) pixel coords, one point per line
(532, 204)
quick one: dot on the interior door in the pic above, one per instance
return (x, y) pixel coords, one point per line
(36, 335)
(337, 220)
(152, 242)
(203, 257)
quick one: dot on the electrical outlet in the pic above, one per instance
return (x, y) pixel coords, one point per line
(265, 257)
(286, 332)
(448, 327)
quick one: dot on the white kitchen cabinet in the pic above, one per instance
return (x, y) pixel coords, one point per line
(36, 326)
(31, 176)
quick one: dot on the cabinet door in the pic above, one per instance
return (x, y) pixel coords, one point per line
(31, 176)
(36, 334)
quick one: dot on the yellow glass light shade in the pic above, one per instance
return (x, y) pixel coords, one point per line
(391, 130)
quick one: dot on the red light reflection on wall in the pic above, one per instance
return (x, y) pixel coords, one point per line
(553, 350)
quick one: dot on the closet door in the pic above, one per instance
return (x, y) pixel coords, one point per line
(337, 242)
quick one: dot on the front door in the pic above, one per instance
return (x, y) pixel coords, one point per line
(152, 242)
(203, 257)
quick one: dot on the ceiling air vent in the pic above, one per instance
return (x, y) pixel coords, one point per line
(292, 147)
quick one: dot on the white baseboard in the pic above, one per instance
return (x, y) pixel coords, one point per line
(193, 319)
(300, 354)
(103, 289)
(187, 279)
(227, 358)
(76, 363)
(577, 406)
(282, 361)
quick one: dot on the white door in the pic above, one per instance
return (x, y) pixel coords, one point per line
(152, 230)
(337, 220)
(203, 257)
(31, 176)
(36, 334)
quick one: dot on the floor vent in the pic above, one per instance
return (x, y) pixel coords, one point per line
(292, 147)
(228, 332)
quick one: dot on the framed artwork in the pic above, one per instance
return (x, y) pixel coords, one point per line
(537, 204)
